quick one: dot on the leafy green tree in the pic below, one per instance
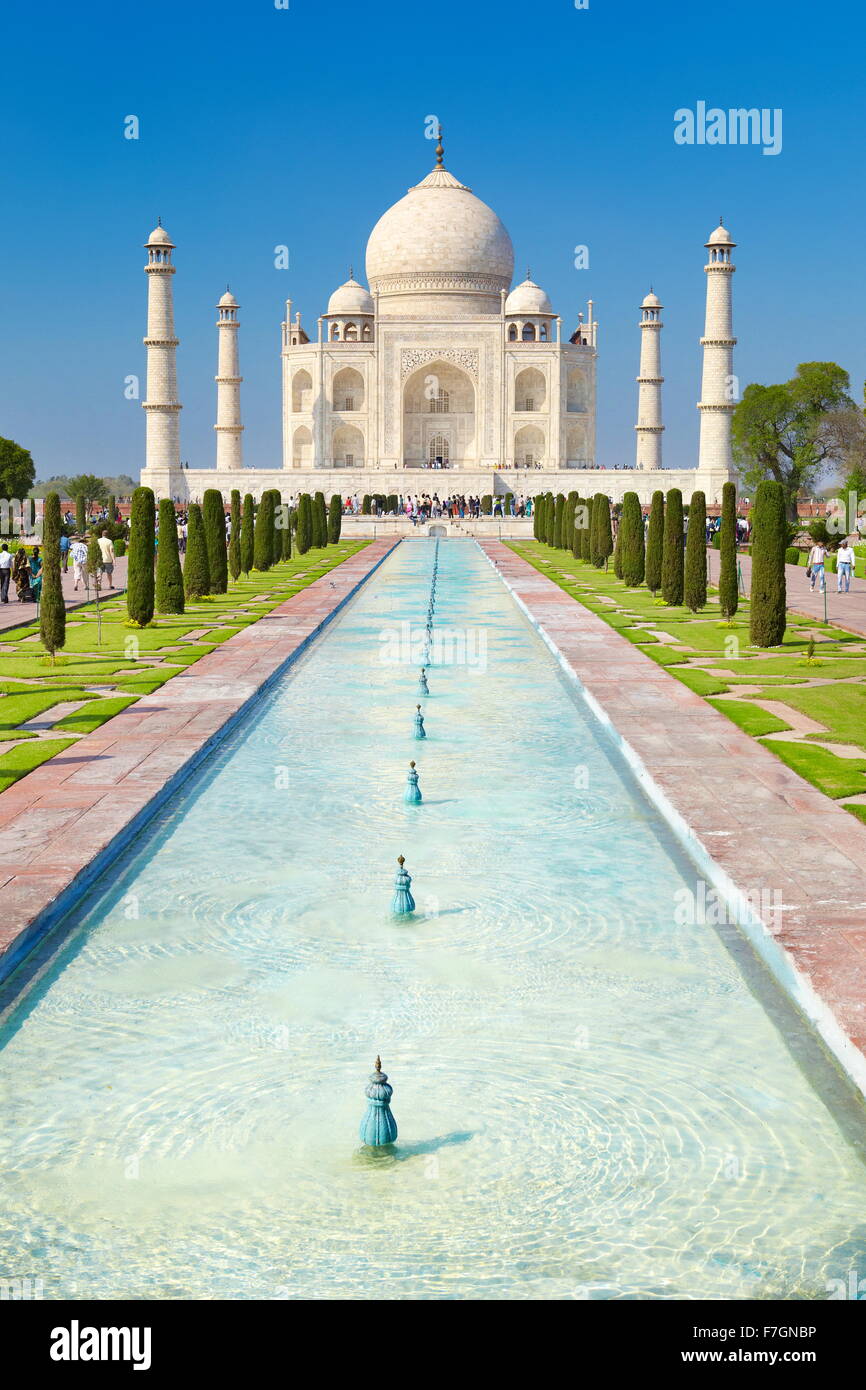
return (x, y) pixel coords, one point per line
(631, 540)
(196, 575)
(655, 543)
(263, 546)
(169, 575)
(17, 472)
(52, 609)
(673, 579)
(767, 619)
(142, 546)
(304, 532)
(247, 534)
(214, 517)
(729, 589)
(88, 486)
(234, 557)
(787, 433)
(335, 519)
(695, 584)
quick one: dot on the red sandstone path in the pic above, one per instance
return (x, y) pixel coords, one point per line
(15, 614)
(848, 610)
(58, 824)
(764, 827)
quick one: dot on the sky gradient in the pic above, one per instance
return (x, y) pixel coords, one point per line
(261, 126)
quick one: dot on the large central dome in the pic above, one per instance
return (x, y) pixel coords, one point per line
(439, 251)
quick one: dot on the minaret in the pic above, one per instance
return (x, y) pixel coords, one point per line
(649, 400)
(162, 449)
(718, 389)
(228, 379)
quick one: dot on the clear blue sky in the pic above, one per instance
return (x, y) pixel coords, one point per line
(262, 126)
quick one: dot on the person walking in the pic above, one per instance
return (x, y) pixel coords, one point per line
(36, 575)
(21, 575)
(844, 568)
(78, 550)
(64, 552)
(106, 550)
(5, 572)
(815, 567)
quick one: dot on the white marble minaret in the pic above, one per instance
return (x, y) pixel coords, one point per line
(649, 400)
(718, 385)
(162, 407)
(228, 379)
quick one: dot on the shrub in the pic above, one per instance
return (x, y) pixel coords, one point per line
(335, 519)
(695, 581)
(235, 538)
(196, 575)
(767, 619)
(729, 591)
(139, 574)
(169, 576)
(558, 518)
(214, 517)
(655, 543)
(263, 536)
(120, 548)
(792, 555)
(304, 533)
(672, 551)
(248, 534)
(52, 609)
(632, 556)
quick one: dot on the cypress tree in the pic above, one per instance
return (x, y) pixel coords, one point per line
(247, 533)
(558, 518)
(139, 573)
(52, 609)
(672, 552)
(632, 547)
(601, 536)
(304, 534)
(550, 526)
(695, 584)
(729, 591)
(263, 541)
(196, 575)
(235, 538)
(576, 528)
(169, 575)
(655, 543)
(335, 519)
(366, 504)
(112, 508)
(286, 538)
(568, 521)
(617, 551)
(535, 519)
(276, 533)
(214, 517)
(320, 520)
(80, 515)
(586, 532)
(769, 538)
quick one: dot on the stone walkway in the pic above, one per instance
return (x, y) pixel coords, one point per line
(767, 831)
(848, 610)
(62, 823)
(15, 614)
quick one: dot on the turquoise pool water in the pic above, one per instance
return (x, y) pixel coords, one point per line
(593, 1100)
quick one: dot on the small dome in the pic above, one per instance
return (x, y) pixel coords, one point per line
(351, 298)
(720, 237)
(228, 301)
(159, 237)
(652, 301)
(528, 298)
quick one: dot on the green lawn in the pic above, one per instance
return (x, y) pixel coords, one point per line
(113, 667)
(781, 674)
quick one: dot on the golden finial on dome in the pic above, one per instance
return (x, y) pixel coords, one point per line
(351, 272)
(440, 152)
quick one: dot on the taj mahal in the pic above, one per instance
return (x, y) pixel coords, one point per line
(439, 364)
